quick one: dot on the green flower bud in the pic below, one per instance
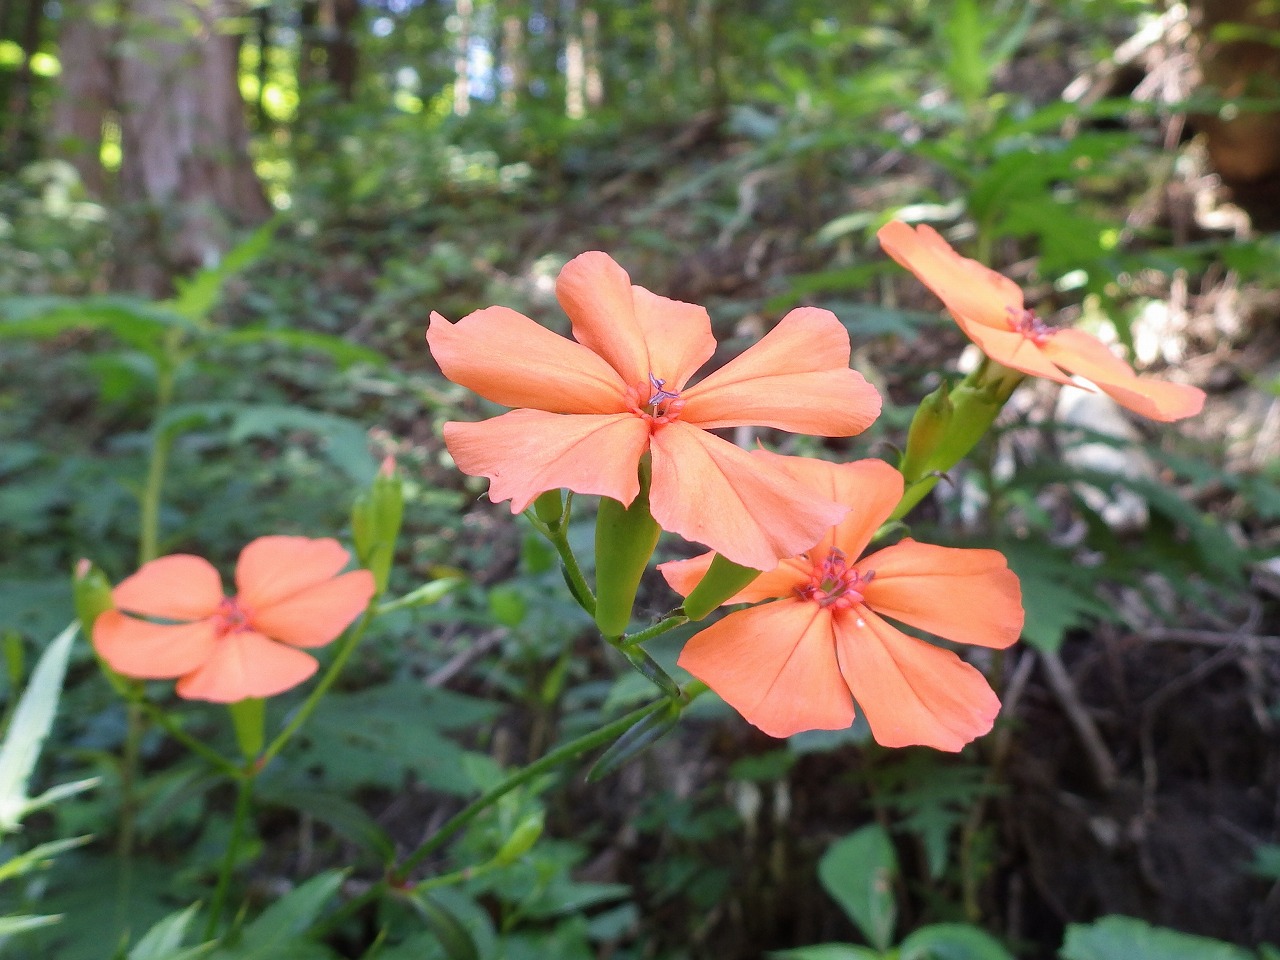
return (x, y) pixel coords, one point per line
(722, 580)
(521, 841)
(625, 540)
(549, 508)
(91, 591)
(375, 523)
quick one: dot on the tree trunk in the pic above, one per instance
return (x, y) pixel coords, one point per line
(186, 169)
(462, 58)
(514, 72)
(83, 101)
(19, 140)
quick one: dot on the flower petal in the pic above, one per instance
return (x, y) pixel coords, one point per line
(507, 358)
(1012, 349)
(969, 596)
(177, 587)
(271, 569)
(678, 335)
(871, 487)
(709, 491)
(317, 615)
(527, 452)
(795, 378)
(151, 651)
(776, 665)
(1086, 355)
(683, 575)
(246, 664)
(596, 294)
(911, 692)
(969, 289)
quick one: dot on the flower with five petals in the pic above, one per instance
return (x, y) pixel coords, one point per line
(799, 661)
(990, 309)
(290, 595)
(590, 408)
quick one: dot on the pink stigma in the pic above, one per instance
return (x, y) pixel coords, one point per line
(654, 403)
(834, 583)
(1029, 325)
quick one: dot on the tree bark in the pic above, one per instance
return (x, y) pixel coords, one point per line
(84, 98)
(186, 173)
(19, 141)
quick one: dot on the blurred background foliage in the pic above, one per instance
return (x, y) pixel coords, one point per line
(225, 223)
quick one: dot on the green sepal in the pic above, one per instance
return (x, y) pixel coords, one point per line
(647, 731)
(625, 540)
(723, 579)
(249, 716)
(652, 671)
(375, 523)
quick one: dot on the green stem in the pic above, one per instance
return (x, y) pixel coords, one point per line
(161, 716)
(158, 463)
(345, 649)
(581, 591)
(570, 751)
(244, 801)
(669, 622)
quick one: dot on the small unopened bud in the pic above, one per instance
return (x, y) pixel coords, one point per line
(91, 592)
(375, 522)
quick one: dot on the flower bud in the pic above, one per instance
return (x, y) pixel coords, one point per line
(91, 592)
(549, 508)
(375, 523)
(722, 580)
(625, 540)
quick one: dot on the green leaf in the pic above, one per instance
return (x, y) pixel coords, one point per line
(23, 922)
(164, 940)
(198, 294)
(278, 932)
(27, 731)
(1131, 939)
(342, 352)
(134, 321)
(858, 872)
(965, 35)
(340, 814)
(448, 930)
(39, 856)
(952, 941)
(827, 951)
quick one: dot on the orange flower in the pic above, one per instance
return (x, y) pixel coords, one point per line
(592, 408)
(226, 649)
(989, 308)
(798, 662)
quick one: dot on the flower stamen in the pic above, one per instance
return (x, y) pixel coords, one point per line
(1026, 322)
(654, 402)
(834, 583)
(230, 618)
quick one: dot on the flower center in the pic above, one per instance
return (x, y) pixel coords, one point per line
(1029, 325)
(230, 618)
(653, 402)
(835, 583)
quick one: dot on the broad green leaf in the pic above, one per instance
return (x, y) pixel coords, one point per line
(342, 352)
(137, 322)
(340, 814)
(28, 728)
(965, 34)
(448, 930)
(164, 940)
(952, 941)
(198, 294)
(858, 872)
(280, 931)
(1128, 938)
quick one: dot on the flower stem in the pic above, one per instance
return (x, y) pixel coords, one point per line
(558, 534)
(563, 754)
(244, 801)
(345, 649)
(158, 462)
(161, 716)
(669, 622)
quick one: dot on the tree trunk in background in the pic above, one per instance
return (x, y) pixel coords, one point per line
(186, 178)
(664, 43)
(328, 49)
(462, 59)
(575, 67)
(19, 141)
(594, 78)
(84, 94)
(1244, 148)
(514, 64)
